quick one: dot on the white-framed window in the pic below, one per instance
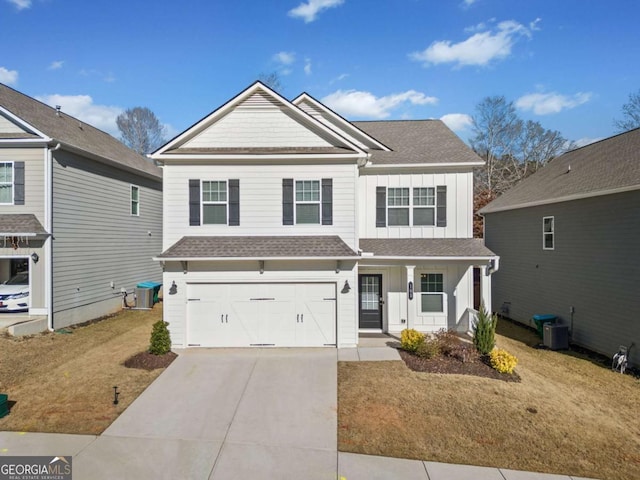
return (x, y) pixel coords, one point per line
(6, 183)
(424, 206)
(307, 201)
(432, 296)
(135, 200)
(548, 233)
(398, 206)
(214, 202)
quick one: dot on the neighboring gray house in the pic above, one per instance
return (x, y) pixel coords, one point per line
(569, 242)
(79, 212)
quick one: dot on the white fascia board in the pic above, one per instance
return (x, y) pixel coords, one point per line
(292, 157)
(235, 259)
(18, 234)
(365, 256)
(24, 124)
(25, 142)
(231, 104)
(567, 198)
(355, 131)
(381, 166)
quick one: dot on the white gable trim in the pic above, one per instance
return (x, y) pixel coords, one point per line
(340, 122)
(234, 102)
(24, 125)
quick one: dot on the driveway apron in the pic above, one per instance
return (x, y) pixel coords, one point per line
(226, 413)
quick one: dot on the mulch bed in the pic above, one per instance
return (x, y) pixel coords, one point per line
(475, 365)
(149, 361)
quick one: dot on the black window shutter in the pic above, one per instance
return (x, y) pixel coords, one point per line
(441, 199)
(18, 183)
(287, 201)
(234, 202)
(327, 201)
(194, 202)
(381, 206)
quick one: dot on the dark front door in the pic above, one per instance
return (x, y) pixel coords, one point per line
(370, 300)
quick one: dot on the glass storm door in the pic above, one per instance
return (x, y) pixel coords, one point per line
(370, 300)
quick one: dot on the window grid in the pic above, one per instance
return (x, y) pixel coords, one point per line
(6, 182)
(370, 294)
(214, 202)
(135, 200)
(307, 202)
(307, 191)
(548, 233)
(424, 196)
(214, 191)
(432, 293)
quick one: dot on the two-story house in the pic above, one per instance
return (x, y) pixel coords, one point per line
(287, 225)
(80, 217)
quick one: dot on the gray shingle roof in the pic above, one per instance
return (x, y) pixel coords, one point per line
(417, 141)
(15, 224)
(258, 247)
(71, 131)
(425, 247)
(598, 168)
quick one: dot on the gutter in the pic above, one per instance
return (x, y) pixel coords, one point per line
(48, 246)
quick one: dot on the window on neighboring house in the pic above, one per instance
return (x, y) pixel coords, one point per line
(6, 182)
(135, 200)
(424, 206)
(548, 231)
(398, 203)
(308, 201)
(214, 202)
(432, 293)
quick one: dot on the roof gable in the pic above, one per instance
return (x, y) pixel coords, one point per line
(337, 123)
(257, 121)
(609, 166)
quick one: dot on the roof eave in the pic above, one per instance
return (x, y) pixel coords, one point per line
(347, 156)
(374, 165)
(428, 258)
(265, 258)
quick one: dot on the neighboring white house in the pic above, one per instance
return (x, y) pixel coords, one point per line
(287, 225)
(569, 240)
(80, 213)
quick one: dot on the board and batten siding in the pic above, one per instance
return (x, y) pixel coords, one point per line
(34, 201)
(594, 267)
(260, 200)
(96, 239)
(275, 271)
(459, 204)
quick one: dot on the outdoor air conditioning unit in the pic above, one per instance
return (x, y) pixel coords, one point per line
(555, 337)
(144, 297)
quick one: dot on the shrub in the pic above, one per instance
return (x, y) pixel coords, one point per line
(160, 338)
(448, 341)
(503, 361)
(484, 331)
(429, 348)
(411, 339)
(463, 352)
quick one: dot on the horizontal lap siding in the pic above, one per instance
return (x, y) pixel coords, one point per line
(260, 200)
(33, 159)
(96, 240)
(7, 126)
(594, 267)
(459, 204)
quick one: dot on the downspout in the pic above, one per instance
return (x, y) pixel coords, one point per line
(48, 247)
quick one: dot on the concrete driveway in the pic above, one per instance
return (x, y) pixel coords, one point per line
(218, 414)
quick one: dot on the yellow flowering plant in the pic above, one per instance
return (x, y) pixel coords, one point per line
(503, 361)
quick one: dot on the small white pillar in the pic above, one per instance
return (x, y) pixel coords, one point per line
(485, 288)
(411, 304)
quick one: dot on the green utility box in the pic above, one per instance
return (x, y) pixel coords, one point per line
(4, 405)
(540, 320)
(155, 286)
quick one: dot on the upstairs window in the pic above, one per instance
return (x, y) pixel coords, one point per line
(548, 233)
(398, 203)
(308, 201)
(402, 206)
(214, 202)
(135, 200)
(424, 206)
(6, 183)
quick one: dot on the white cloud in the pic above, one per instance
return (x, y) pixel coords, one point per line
(83, 108)
(310, 10)
(307, 66)
(365, 104)
(581, 142)
(285, 58)
(21, 4)
(8, 77)
(56, 65)
(547, 103)
(479, 49)
(457, 121)
(468, 3)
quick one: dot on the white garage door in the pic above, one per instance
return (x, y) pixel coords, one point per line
(250, 314)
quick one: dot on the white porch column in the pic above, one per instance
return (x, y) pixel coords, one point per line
(411, 304)
(485, 288)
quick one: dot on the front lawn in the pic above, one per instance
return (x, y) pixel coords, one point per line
(63, 382)
(569, 414)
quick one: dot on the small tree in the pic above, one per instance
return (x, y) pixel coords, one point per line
(160, 338)
(484, 331)
(141, 130)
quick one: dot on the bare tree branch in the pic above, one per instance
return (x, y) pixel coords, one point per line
(141, 130)
(630, 114)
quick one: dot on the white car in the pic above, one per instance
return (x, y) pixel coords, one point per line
(14, 294)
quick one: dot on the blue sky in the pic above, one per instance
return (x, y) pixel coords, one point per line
(570, 64)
